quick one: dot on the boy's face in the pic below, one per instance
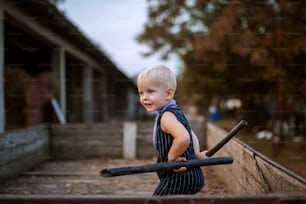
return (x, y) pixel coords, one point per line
(152, 95)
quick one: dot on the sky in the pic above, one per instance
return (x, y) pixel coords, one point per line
(113, 25)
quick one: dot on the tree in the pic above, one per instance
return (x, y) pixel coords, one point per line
(250, 49)
(56, 2)
(241, 48)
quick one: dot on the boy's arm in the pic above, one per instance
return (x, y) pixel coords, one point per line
(181, 140)
(196, 146)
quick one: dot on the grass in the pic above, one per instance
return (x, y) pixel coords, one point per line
(292, 155)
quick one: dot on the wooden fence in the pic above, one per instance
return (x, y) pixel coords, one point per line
(83, 141)
(21, 150)
(105, 140)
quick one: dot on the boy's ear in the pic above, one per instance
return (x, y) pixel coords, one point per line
(170, 92)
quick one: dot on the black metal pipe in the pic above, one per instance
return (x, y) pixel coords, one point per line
(229, 136)
(120, 171)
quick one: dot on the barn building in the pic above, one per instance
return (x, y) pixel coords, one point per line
(48, 66)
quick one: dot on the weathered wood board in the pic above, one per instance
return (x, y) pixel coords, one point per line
(83, 141)
(22, 149)
(251, 172)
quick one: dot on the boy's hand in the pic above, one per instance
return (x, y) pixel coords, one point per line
(182, 169)
(201, 155)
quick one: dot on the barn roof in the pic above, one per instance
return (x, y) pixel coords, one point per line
(48, 24)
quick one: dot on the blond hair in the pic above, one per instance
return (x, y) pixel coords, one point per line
(161, 74)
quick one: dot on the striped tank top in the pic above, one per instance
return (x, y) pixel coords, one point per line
(171, 183)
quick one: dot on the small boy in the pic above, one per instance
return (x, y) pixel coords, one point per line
(172, 135)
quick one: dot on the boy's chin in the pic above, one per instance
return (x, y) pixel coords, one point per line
(151, 110)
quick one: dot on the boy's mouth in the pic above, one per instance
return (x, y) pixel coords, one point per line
(148, 105)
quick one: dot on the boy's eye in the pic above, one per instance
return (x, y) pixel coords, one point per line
(147, 91)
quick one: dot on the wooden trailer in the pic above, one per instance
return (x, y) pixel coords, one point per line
(61, 164)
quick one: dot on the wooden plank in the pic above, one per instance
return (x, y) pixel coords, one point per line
(2, 78)
(145, 147)
(126, 199)
(82, 141)
(251, 172)
(281, 180)
(86, 128)
(22, 149)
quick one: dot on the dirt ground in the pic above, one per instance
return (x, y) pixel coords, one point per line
(82, 177)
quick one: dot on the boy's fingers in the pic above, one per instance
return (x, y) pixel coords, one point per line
(181, 159)
(182, 169)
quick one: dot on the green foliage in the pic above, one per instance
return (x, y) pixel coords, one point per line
(231, 48)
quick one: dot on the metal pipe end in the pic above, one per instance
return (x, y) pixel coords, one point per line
(105, 173)
(244, 122)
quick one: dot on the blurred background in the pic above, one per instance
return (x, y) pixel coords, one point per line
(233, 59)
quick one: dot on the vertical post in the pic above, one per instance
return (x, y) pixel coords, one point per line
(131, 107)
(62, 66)
(129, 140)
(2, 94)
(278, 140)
(59, 61)
(88, 94)
(105, 106)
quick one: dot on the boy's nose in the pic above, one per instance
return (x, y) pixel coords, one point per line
(145, 96)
